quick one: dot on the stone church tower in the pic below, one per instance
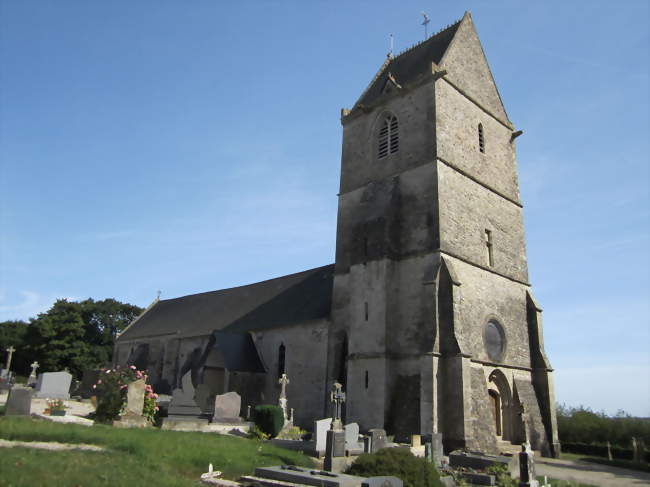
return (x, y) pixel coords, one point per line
(434, 328)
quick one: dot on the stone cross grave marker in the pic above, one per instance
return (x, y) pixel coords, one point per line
(54, 385)
(282, 401)
(10, 351)
(337, 397)
(32, 375)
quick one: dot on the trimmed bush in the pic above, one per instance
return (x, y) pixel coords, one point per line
(397, 462)
(269, 419)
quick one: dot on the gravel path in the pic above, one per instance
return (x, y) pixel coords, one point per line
(591, 473)
(50, 445)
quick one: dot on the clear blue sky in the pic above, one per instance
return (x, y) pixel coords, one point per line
(191, 146)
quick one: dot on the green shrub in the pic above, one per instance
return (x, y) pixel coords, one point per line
(257, 434)
(397, 462)
(269, 419)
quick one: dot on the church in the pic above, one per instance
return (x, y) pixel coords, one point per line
(427, 317)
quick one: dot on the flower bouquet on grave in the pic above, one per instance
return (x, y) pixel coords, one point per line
(55, 407)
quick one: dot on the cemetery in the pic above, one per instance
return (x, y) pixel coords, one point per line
(120, 425)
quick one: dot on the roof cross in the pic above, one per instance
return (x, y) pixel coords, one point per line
(425, 23)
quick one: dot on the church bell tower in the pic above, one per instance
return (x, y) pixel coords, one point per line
(434, 326)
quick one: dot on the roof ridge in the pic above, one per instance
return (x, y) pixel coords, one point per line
(247, 285)
(379, 72)
(428, 38)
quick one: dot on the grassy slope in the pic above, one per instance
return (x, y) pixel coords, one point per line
(604, 461)
(134, 457)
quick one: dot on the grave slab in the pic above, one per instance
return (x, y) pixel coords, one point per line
(304, 476)
(382, 482)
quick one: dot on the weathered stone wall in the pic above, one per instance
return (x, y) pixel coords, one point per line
(484, 425)
(468, 69)
(414, 110)
(467, 209)
(305, 365)
(486, 296)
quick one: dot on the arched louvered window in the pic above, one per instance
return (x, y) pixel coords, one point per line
(481, 138)
(388, 137)
(281, 360)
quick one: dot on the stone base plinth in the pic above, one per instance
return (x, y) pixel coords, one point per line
(133, 421)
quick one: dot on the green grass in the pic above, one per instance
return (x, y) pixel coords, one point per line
(133, 457)
(604, 461)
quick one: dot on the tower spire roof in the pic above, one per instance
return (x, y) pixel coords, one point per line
(411, 62)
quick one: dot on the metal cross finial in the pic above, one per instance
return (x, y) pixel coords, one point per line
(425, 23)
(158, 293)
(390, 52)
(283, 381)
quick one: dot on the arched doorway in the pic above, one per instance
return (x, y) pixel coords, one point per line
(501, 405)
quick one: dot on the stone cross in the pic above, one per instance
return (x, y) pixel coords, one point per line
(32, 375)
(10, 351)
(337, 396)
(283, 381)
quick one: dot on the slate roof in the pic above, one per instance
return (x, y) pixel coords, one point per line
(282, 301)
(410, 64)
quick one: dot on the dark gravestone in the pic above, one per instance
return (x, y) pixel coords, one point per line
(19, 402)
(382, 482)
(335, 451)
(377, 439)
(478, 478)
(475, 460)
(527, 477)
(304, 476)
(88, 380)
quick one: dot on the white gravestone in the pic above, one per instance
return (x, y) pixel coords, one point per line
(54, 385)
(320, 431)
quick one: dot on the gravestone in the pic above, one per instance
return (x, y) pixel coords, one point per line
(183, 413)
(53, 385)
(352, 444)
(321, 427)
(335, 443)
(132, 417)
(382, 482)
(88, 380)
(377, 439)
(527, 477)
(227, 407)
(437, 451)
(19, 402)
(183, 403)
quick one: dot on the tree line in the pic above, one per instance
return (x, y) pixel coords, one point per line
(582, 425)
(70, 335)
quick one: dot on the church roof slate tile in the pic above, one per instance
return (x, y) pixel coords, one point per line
(410, 63)
(283, 301)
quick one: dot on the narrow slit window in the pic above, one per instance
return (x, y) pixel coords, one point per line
(388, 137)
(281, 360)
(488, 248)
(481, 139)
(366, 379)
(365, 310)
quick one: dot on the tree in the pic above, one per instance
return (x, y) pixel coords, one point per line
(103, 320)
(77, 335)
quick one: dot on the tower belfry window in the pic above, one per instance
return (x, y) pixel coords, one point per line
(481, 138)
(388, 137)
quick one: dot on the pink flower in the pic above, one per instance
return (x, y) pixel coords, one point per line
(155, 396)
(108, 371)
(133, 367)
(94, 386)
(99, 381)
(124, 387)
(157, 408)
